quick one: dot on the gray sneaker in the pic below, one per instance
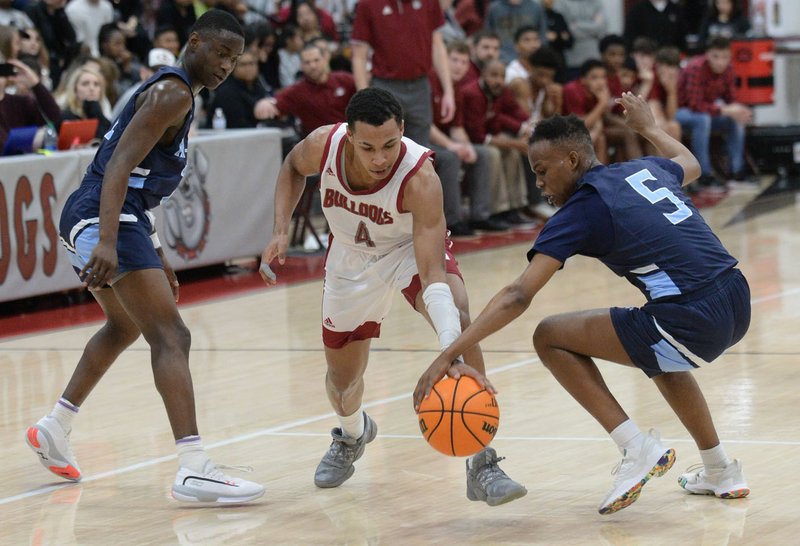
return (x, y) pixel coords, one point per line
(487, 482)
(337, 465)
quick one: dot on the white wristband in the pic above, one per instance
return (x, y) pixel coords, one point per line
(156, 242)
(443, 312)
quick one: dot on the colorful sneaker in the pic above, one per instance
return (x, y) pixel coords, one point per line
(487, 482)
(725, 484)
(635, 469)
(211, 485)
(336, 465)
(51, 444)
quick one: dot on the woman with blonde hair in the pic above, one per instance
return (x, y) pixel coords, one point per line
(84, 91)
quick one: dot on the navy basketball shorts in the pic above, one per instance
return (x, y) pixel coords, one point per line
(672, 336)
(79, 229)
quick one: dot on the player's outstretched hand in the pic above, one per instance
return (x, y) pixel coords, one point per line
(637, 112)
(276, 248)
(441, 367)
(101, 267)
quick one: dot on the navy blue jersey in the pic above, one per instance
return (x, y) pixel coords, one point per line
(160, 172)
(635, 219)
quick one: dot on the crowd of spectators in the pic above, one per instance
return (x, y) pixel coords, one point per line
(474, 76)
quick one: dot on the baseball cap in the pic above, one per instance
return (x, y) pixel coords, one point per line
(159, 57)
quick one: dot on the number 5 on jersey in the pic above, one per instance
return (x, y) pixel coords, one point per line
(637, 180)
(362, 235)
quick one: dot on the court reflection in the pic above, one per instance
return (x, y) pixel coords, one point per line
(711, 522)
(207, 526)
(55, 524)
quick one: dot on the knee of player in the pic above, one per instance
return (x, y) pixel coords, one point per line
(342, 382)
(543, 335)
(124, 334)
(175, 336)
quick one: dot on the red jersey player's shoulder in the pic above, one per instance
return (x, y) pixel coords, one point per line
(321, 136)
(421, 187)
(309, 154)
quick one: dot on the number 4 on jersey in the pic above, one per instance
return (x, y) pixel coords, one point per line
(362, 235)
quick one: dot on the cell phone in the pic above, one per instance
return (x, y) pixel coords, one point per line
(7, 69)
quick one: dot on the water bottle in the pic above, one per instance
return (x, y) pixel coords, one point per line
(218, 122)
(50, 138)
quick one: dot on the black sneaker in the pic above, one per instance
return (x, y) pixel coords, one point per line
(461, 229)
(515, 218)
(709, 181)
(744, 178)
(489, 224)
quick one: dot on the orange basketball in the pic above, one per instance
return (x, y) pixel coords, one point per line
(460, 417)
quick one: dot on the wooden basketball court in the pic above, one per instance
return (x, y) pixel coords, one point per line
(258, 368)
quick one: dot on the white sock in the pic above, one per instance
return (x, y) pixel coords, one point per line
(353, 425)
(715, 458)
(64, 412)
(191, 453)
(627, 436)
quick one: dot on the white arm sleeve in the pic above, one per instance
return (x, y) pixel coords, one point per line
(442, 310)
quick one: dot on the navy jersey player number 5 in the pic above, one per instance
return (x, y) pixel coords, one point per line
(637, 180)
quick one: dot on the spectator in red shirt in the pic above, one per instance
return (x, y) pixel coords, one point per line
(492, 116)
(707, 100)
(485, 48)
(588, 98)
(406, 45)
(663, 97)
(613, 53)
(455, 152)
(319, 98)
(625, 141)
(325, 20)
(470, 14)
(644, 53)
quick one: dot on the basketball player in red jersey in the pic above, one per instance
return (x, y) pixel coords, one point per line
(383, 202)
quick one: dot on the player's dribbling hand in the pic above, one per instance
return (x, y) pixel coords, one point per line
(637, 112)
(443, 366)
(101, 267)
(275, 248)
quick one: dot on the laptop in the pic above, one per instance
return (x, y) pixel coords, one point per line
(20, 140)
(74, 132)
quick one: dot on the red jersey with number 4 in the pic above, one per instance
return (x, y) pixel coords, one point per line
(373, 220)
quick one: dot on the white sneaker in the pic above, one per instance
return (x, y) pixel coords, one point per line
(51, 443)
(635, 469)
(212, 485)
(726, 484)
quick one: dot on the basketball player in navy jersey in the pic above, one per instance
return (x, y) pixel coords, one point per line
(107, 228)
(634, 218)
(383, 203)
